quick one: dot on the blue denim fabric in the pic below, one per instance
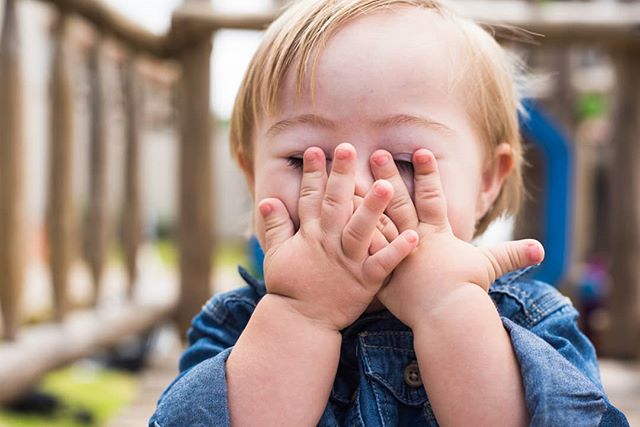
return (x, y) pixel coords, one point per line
(558, 364)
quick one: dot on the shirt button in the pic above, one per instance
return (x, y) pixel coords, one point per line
(412, 375)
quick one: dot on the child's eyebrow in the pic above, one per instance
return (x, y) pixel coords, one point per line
(304, 119)
(395, 120)
(408, 119)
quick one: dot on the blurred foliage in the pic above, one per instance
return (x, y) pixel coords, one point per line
(591, 105)
(165, 229)
(101, 392)
(231, 253)
(167, 251)
(228, 253)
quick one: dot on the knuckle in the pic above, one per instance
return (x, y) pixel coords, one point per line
(354, 234)
(383, 222)
(399, 204)
(514, 257)
(308, 192)
(331, 201)
(429, 195)
(495, 265)
(379, 267)
(340, 170)
(274, 223)
(387, 228)
(312, 174)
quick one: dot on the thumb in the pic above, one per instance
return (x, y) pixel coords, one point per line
(275, 222)
(514, 255)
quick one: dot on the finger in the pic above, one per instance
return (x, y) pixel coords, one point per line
(337, 202)
(314, 178)
(514, 255)
(378, 242)
(359, 231)
(276, 223)
(387, 229)
(380, 265)
(430, 202)
(401, 209)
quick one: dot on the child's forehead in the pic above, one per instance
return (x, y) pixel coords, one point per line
(384, 56)
(415, 21)
(419, 38)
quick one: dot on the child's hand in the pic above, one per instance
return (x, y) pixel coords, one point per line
(385, 233)
(324, 269)
(442, 263)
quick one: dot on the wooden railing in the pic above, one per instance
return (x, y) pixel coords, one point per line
(28, 353)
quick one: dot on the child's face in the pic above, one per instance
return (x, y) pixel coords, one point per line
(384, 81)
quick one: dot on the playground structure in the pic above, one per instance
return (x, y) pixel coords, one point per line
(185, 52)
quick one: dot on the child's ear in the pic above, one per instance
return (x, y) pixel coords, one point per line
(247, 169)
(493, 177)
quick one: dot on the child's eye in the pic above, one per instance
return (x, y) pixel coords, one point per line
(295, 162)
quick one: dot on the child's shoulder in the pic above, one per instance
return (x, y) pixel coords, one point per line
(527, 301)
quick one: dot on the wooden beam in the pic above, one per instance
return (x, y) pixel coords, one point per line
(195, 182)
(115, 25)
(12, 247)
(60, 206)
(207, 19)
(43, 348)
(608, 23)
(557, 22)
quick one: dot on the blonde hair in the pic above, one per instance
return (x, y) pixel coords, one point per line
(297, 38)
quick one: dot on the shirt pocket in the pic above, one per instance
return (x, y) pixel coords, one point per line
(389, 361)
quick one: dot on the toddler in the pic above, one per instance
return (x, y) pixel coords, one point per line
(378, 137)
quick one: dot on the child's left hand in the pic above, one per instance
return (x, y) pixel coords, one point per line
(442, 263)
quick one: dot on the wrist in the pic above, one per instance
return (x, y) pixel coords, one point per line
(445, 307)
(290, 311)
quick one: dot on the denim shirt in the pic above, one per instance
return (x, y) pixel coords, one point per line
(378, 383)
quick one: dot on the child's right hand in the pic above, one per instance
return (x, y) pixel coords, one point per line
(324, 270)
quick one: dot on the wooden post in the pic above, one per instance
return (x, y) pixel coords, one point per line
(131, 211)
(60, 212)
(195, 224)
(11, 174)
(96, 231)
(623, 335)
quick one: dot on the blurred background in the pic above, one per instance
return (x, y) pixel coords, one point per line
(121, 211)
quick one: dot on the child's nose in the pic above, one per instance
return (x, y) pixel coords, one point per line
(364, 178)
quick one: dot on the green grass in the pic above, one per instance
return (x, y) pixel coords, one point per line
(99, 391)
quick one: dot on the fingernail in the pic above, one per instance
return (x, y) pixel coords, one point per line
(342, 154)
(411, 237)
(265, 209)
(310, 155)
(379, 189)
(535, 254)
(381, 160)
(422, 157)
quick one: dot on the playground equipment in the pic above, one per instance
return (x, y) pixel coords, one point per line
(555, 207)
